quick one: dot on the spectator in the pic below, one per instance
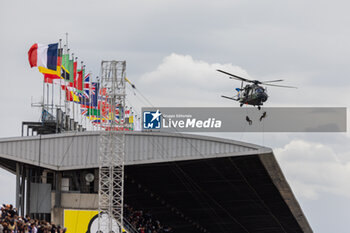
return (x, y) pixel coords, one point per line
(143, 223)
(10, 222)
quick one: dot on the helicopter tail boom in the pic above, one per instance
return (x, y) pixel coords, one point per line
(231, 98)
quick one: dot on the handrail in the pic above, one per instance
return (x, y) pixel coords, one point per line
(129, 227)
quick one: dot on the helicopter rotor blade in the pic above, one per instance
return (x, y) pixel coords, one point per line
(235, 76)
(273, 85)
(272, 81)
(257, 82)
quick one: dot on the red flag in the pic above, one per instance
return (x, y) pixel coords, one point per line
(80, 80)
(75, 66)
(69, 95)
(48, 79)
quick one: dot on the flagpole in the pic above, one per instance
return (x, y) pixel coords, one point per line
(82, 76)
(66, 89)
(73, 87)
(67, 39)
(65, 82)
(52, 96)
(97, 93)
(83, 90)
(89, 108)
(75, 81)
(43, 105)
(48, 97)
(60, 87)
(90, 94)
(90, 97)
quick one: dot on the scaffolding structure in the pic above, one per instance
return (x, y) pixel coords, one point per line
(112, 146)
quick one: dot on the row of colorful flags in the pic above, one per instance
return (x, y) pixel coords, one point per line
(58, 67)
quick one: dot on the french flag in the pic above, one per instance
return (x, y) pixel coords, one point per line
(43, 55)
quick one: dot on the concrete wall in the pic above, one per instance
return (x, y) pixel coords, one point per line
(79, 201)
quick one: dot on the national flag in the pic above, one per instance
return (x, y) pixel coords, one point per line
(53, 74)
(86, 106)
(104, 107)
(65, 67)
(79, 81)
(48, 79)
(93, 112)
(93, 89)
(87, 81)
(87, 86)
(96, 122)
(75, 97)
(69, 96)
(94, 93)
(71, 71)
(43, 55)
(83, 111)
(75, 67)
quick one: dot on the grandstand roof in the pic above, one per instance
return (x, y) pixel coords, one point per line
(79, 150)
(190, 182)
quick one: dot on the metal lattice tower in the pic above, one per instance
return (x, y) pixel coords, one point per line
(112, 146)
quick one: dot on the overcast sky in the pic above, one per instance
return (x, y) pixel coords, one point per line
(172, 49)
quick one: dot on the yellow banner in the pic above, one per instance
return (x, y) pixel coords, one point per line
(78, 221)
(83, 221)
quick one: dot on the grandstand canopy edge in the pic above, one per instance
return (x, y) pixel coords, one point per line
(73, 151)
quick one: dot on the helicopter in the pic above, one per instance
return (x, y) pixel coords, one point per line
(252, 94)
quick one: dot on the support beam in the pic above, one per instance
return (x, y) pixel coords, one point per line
(17, 185)
(23, 186)
(29, 174)
(58, 178)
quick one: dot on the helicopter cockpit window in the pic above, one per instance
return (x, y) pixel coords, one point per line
(259, 90)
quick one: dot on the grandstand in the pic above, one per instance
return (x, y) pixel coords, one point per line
(190, 183)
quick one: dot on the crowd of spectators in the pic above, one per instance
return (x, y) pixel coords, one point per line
(143, 222)
(10, 222)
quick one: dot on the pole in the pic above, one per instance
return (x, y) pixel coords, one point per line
(67, 86)
(60, 87)
(43, 105)
(67, 39)
(52, 86)
(67, 105)
(73, 88)
(48, 96)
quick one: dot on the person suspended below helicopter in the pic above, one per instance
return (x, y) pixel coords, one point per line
(250, 122)
(262, 116)
(251, 94)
